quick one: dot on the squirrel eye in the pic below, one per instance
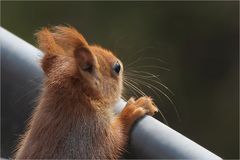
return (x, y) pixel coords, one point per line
(117, 67)
(88, 67)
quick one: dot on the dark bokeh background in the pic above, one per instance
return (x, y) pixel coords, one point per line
(197, 40)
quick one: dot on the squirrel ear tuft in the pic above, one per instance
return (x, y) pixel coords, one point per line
(47, 43)
(85, 59)
(68, 38)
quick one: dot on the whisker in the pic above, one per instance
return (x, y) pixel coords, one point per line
(152, 80)
(164, 118)
(147, 73)
(151, 66)
(133, 91)
(134, 62)
(139, 57)
(144, 76)
(124, 98)
(136, 89)
(161, 92)
(156, 59)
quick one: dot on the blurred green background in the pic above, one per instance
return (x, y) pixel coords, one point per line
(198, 42)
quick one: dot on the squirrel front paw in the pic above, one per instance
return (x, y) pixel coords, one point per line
(136, 109)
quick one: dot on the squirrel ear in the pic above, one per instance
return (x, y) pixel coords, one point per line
(85, 59)
(48, 45)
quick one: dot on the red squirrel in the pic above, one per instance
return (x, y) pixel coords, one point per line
(74, 117)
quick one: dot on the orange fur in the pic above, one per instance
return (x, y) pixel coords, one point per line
(74, 117)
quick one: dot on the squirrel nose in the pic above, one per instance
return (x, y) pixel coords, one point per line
(117, 68)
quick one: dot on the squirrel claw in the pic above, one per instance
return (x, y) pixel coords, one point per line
(136, 109)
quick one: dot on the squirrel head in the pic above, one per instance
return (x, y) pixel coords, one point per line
(80, 70)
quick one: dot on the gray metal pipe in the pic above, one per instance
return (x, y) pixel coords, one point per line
(149, 138)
